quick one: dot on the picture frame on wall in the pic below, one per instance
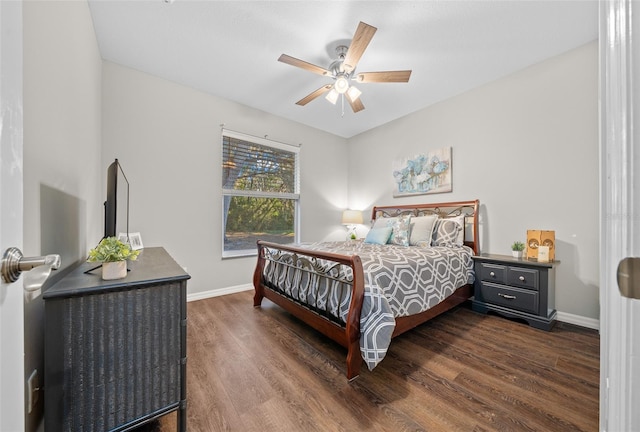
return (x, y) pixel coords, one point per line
(427, 173)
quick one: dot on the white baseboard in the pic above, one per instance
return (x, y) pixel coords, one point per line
(218, 292)
(579, 320)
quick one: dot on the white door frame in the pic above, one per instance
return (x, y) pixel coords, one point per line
(619, 223)
(12, 397)
(618, 393)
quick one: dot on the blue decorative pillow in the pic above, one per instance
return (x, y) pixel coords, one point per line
(400, 234)
(378, 235)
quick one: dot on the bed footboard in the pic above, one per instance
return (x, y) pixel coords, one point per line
(325, 290)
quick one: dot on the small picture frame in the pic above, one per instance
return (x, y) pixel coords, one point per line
(133, 239)
(543, 253)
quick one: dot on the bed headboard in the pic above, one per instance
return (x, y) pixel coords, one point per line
(444, 210)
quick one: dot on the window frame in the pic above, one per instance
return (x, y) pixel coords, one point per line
(226, 192)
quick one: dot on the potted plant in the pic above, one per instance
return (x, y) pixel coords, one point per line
(517, 249)
(113, 254)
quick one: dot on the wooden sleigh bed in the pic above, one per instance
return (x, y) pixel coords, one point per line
(292, 277)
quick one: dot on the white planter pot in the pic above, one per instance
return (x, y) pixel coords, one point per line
(517, 254)
(114, 270)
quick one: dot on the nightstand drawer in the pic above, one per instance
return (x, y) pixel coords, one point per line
(493, 273)
(522, 277)
(514, 298)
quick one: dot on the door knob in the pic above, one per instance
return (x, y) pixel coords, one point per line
(14, 263)
(629, 277)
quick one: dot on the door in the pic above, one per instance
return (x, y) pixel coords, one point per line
(620, 212)
(11, 295)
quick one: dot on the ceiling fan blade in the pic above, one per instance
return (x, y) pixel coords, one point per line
(311, 96)
(359, 43)
(303, 65)
(388, 76)
(356, 105)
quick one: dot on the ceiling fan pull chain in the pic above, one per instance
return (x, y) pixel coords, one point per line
(342, 104)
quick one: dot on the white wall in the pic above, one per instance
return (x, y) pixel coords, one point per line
(168, 139)
(62, 84)
(526, 146)
(62, 186)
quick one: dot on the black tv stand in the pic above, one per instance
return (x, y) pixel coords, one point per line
(93, 269)
(115, 351)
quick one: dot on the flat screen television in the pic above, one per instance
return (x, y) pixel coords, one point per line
(115, 217)
(112, 214)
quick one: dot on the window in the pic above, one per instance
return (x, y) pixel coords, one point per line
(260, 192)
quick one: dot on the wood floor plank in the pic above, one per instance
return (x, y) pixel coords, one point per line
(428, 407)
(537, 412)
(456, 399)
(505, 360)
(216, 411)
(260, 369)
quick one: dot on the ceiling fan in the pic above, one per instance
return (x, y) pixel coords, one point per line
(343, 69)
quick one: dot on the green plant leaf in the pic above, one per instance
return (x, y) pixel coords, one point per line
(110, 249)
(517, 246)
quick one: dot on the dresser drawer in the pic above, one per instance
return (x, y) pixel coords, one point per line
(493, 273)
(514, 298)
(522, 277)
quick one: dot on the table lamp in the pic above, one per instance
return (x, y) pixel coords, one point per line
(351, 218)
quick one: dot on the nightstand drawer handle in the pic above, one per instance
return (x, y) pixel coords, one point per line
(492, 274)
(521, 278)
(507, 296)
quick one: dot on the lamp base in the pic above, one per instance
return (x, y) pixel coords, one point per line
(351, 232)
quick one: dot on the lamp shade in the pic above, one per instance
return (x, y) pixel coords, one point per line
(351, 217)
(332, 96)
(353, 93)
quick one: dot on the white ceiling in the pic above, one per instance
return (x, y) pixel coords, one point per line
(230, 48)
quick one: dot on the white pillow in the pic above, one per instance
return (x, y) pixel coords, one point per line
(383, 222)
(421, 228)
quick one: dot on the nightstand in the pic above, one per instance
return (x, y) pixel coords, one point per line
(516, 288)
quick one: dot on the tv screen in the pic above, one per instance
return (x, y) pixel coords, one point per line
(111, 204)
(116, 207)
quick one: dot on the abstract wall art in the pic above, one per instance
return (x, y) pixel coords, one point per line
(427, 173)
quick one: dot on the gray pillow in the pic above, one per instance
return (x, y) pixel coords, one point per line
(446, 233)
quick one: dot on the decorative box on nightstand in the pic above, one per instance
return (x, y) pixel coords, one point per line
(516, 288)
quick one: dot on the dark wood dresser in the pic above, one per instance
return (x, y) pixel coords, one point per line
(115, 351)
(516, 288)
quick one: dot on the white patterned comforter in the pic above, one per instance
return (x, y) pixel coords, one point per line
(399, 281)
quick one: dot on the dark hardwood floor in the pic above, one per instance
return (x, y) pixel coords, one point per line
(262, 370)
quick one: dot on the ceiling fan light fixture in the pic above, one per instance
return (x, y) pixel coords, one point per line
(343, 68)
(353, 93)
(341, 85)
(332, 96)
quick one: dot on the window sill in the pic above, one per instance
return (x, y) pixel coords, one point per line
(239, 253)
